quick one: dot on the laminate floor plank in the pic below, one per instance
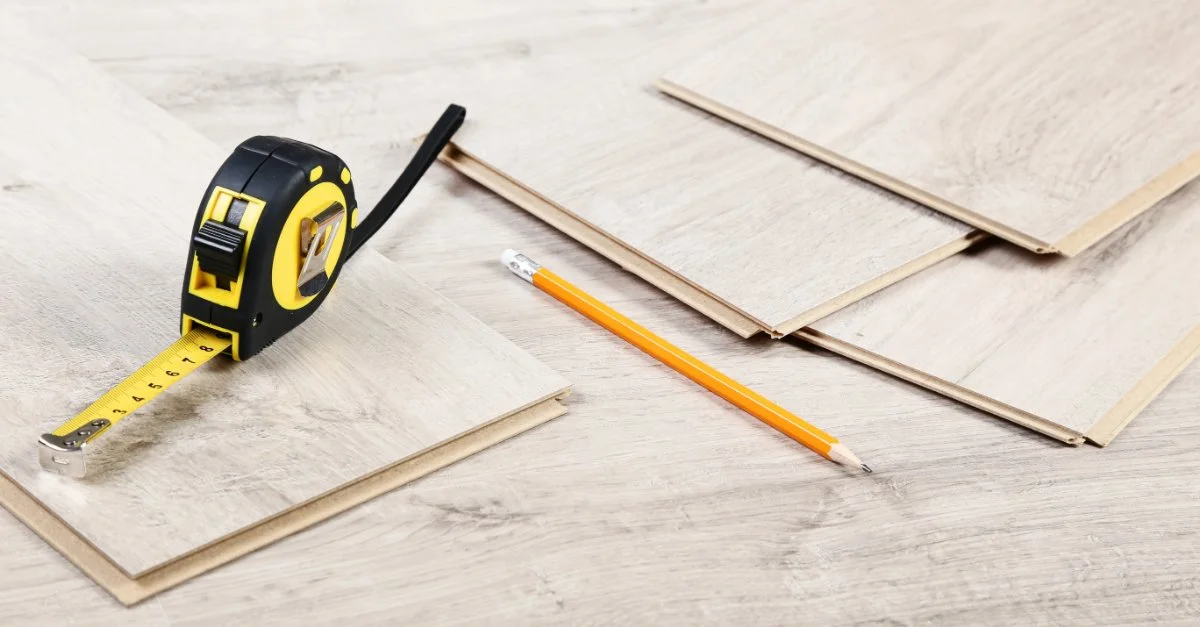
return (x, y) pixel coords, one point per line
(755, 236)
(1048, 124)
(1072, 347)
(101, 188)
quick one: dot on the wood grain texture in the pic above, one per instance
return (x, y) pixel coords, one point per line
(584, 233)
(651, 502)
(1048, 125)
(778, 238)
(131, 590)
(106, 185)
(1076, 346)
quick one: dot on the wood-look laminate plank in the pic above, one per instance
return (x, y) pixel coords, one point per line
(131, 590)
(753, 235)
(1048, 124)
(1071, 347)
(99, 189)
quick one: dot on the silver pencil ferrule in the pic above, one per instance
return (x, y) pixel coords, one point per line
(520, 265)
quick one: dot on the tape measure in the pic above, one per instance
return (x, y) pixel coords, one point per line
(277, 223)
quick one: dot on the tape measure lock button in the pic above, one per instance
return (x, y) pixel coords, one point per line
(219, 248)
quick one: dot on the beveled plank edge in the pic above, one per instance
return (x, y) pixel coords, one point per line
(628, 259)
(941, 386)
(1130, 207)
(129, 590)
(870, 175)
(1154, 382)
(558, 395)
(886, 279)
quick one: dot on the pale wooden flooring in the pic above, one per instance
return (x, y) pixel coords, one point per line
(778, 236)
(651, 501)
(785, 184)
(1035, 121)
(100, 198)
(1075, 343)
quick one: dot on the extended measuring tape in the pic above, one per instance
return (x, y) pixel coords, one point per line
(276, 224)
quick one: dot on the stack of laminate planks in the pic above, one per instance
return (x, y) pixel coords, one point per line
(1066, 131)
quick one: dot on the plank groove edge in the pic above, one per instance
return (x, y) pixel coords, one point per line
(1130, 207)
(893, 276)
(1157, 378)
(943, 387)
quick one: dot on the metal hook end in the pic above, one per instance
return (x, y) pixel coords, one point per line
(62, 456)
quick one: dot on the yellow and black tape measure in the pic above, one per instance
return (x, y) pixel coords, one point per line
(277, 223)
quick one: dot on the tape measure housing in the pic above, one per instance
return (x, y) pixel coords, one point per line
(275, 226)
(257, 215)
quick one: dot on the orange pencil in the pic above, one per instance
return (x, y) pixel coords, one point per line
(679, 360)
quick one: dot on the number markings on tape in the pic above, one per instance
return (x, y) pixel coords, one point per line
(187, 353)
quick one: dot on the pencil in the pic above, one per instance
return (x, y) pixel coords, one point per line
(682, 362)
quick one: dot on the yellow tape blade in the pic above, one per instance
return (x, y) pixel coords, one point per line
(179, 359)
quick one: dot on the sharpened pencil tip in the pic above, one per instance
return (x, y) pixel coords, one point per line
(842, 455)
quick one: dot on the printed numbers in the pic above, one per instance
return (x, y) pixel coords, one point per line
(137, 399)
(207, 349)
(172, 373)
(154, 386)
(188, 361)
(119, 411)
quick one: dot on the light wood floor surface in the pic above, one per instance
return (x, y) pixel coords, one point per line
(1044, 123)
(102, 199)
(651, 501)
(1070, 347)
(779, 237)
